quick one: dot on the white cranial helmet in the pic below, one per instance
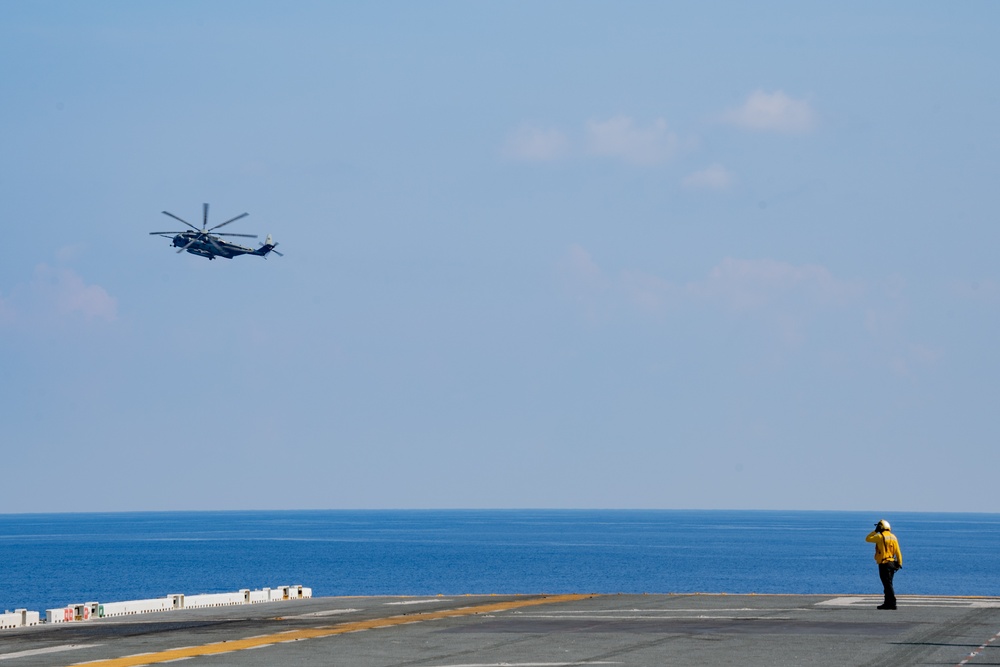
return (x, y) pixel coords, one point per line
(884, 525)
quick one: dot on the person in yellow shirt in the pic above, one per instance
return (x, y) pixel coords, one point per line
(889, 559)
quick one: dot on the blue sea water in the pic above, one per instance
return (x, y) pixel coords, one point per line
(50, 560)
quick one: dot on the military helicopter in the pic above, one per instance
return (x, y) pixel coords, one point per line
(204, 244)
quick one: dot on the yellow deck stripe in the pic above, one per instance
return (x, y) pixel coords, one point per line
(312, 633)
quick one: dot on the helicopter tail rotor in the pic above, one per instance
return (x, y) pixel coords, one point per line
(268, 247)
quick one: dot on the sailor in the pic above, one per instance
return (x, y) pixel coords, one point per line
(889, 559)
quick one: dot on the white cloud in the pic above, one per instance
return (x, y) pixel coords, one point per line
(986, 290)
(773, 112)
(791, 303)
(7, 313)
(742, 285)
(747, 284)
(737, 285)
(784, 297)
(913, 357)
(886, 320)
(888, 312)
(71, 296)
(714, 177)
(647, 292)
(580, 271)
(68, 253)
(619, 137)
(582, 278)
(57, 294)
(535, 144)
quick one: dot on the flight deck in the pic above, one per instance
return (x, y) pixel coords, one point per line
(532, 630)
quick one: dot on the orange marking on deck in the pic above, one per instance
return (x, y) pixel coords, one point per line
(327, 631)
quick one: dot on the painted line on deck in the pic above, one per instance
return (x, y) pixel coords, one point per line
(979, 650)
(43, 651)
(217, 648)
(668, 610)
(913, 601)
(695, 617)
(329, 612)
(531, 664)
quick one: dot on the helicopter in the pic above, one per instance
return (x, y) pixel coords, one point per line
(205, 244)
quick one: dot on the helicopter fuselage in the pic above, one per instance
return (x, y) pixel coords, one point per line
(198, 245)
(204, 243)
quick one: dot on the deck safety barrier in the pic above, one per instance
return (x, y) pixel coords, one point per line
(86, 611)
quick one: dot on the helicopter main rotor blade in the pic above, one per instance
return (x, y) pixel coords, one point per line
(190, 243)
(241, 215)
(249, 236)
(211, 239)
(204, 222)
(181, 220)
(161, 233)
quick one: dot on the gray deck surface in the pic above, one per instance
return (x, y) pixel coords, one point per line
(640, 630)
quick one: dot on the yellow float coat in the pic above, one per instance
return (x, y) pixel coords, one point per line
(886, 547)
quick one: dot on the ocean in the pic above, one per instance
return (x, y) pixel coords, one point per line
(51, 560)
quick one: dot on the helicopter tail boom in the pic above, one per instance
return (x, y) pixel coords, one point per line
(268, 247)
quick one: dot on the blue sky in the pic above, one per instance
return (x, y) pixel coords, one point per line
(562, 254)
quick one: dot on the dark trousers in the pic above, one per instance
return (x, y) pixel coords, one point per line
(885, 573)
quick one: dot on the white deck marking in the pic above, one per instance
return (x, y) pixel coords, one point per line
(912, 601)
(608, 612)
(43, 651)
(982, 647)
(700, 617)
(435, 601)
(329, 612)
(531, 664)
